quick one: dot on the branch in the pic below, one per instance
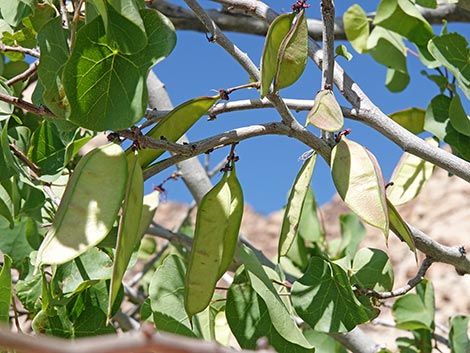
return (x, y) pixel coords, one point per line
(20, 103)
(403, 290)
(24, 75)
(136, 342)
(227, 138)
(229, 19)
(18, 49)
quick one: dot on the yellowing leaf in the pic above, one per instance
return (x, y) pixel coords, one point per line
(409, 176)
(326, 113)
(359, 182)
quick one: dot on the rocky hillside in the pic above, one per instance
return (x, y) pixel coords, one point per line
(442, 211)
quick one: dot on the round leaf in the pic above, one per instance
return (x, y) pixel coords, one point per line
(326, 113)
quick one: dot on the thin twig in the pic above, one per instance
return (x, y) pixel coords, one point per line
(20, 103)
(403, 290)
(18, 49)
(21, 156)
(24, 75)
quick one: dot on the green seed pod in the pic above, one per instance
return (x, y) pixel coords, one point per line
(89, 207)
(207, 251)
(234, 221)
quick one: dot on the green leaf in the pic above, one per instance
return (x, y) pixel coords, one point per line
(281, 319)
(129, 235)
(431, 4)
(415, 311)
(372, 269)
(293, 53)
(47, 149)
(52, 40)
(458, 118)
(14, 240)
(124, 26)
(6, 109)
(409, 177)
(396, 81)
(411, 119)
(310, 228)
(89, 206)
(297, 195)
(359, 182)
(175, 124)
(326, 113)
(5, 290)
(352, 233)
(90, 268)
(402, 17)
(388, 49)
(356, 27)
(7, 209)
(400, 228)
(458, 336)
(54, 323)
(248, 318)
(28, 292)
(92, 322)
(106, 89)
(342, 50)
(166, 293)
(452, 51)
(437, 122)
(269, 59)
(323, 298)
(324, 343)
(14, 11)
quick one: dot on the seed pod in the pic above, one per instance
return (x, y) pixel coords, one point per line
(128, 233)
(207, 251)
(234, 221)
(89, 206)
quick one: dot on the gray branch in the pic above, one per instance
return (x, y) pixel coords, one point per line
(232, 20)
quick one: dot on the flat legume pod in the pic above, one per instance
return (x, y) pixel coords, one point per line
(89, 206)
(208, 247)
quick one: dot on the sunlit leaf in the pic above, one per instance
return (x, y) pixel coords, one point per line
(341, 50)
(402, 17)
(107, 89)
(323, 298)
(356, 27)
(458, 118)
(396, 81)
(415, 311)
(6, 109)
(452, 51)
(372, 269)
(249, 320)
(52, 42)
(326, 113)
(166, 294)
(458, 335)
(5, 290)
(281, 319)
(411, 119)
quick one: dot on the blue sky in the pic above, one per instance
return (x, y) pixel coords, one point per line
(268, 164)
